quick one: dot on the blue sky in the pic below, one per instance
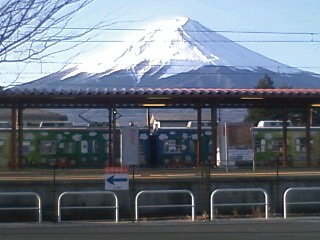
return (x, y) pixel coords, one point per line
(289, 16)
(286, 16)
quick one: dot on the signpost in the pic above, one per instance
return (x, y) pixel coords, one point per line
(117, 178)
(129, 146)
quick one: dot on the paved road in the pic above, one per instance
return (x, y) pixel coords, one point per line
(296, 229)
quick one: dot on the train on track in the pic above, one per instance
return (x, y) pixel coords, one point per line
(64, 145)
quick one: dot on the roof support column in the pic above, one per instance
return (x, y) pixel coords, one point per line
(114, 117)
(112, 136)
(284, 138)
(214, 134)
(308, 121)
(20, 137)
(148, 121)
(199, 140)
(14, 158)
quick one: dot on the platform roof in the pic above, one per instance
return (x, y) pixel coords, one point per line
(160, 97)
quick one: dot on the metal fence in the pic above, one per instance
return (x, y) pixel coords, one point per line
(24, 194)
(295, 189)
(215, 192)
(90, 193)
(137, 206)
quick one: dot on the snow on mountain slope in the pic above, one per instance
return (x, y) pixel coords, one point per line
(182, 45)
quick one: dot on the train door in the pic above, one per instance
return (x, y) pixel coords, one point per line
(154, 160)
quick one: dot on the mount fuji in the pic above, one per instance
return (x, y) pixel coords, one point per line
(179, 53)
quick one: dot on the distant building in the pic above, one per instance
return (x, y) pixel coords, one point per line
(33, 117)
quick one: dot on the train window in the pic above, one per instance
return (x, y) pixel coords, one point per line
(5, 125)
(260, 145)
(192, 146)
(194, 124)
(55, 124)
(1, 149)
(106, 147)
(273, 123)
(47, 147)
(142, 156)
(277, 145)
(84, 147)
(26, 146)
(172, 146)
(301, 144)
(68, 147)
(94, 147)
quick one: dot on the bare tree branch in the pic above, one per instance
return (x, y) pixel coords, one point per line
(29, 28)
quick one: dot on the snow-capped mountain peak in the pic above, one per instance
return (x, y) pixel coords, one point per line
(181, 45)
(180, 52)
(167, 44)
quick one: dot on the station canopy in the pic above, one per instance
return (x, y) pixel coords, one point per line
(160, 97)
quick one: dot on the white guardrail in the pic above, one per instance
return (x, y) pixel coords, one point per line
(182, 191)
(294, 189)
(115, 206)
(265, 203)
(29, 194)
(215, 192)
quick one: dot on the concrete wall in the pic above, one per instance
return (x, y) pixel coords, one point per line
(201, 187)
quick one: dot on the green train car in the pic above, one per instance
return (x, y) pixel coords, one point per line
(176, 147)
(66, 146)
(61, 146)
(268, 144)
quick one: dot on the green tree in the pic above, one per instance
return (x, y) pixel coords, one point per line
(295, 115)
(265, 83)
(256, 114)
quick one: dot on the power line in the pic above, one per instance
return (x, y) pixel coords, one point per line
(311, 35)
(173, 73)
(72, 64)
(202, 41)
(192, 30)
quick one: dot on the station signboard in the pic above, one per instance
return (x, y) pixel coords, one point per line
(117, 178)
